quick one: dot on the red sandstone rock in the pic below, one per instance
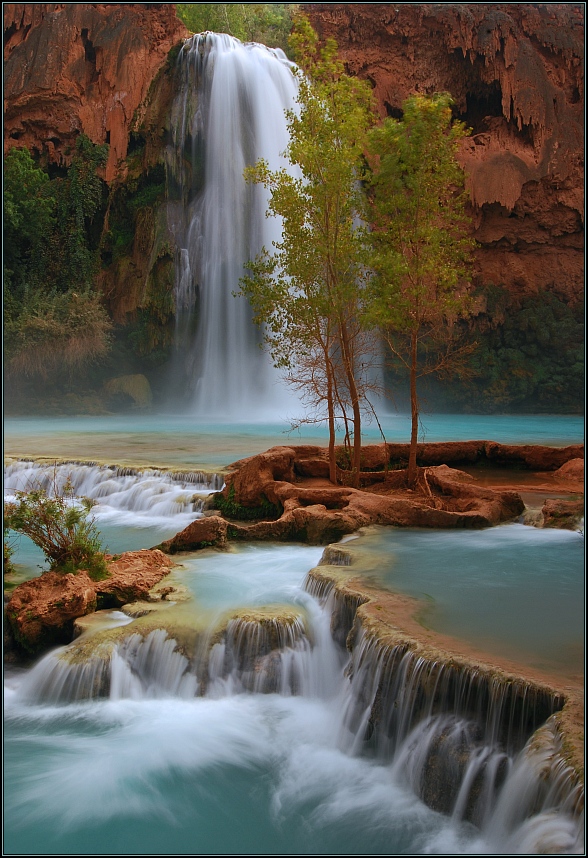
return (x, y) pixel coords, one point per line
(81, 67)
(132, 576)
(42, 611)
(202, 533)
(571, 470)
(562, 513)
(516, 74)
(322, 514)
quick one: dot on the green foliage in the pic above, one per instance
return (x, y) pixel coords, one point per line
(530, 355)
(9, 549)
(53, 319)
(80, 202)
(139, 193)
(267, 23)
(61, 527)
(230, 508)
(420, 252)
(308, 291)
(57, 333)
(29, 219)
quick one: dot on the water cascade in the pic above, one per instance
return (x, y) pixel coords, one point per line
(473, 744)
(119, 492)
(229, 113)
(387, 724)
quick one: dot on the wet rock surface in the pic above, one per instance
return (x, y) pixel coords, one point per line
(42, 611)
(395, 658)
(292, 479)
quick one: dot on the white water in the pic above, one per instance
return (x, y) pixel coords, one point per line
(125, 496)
(153, 768)
(228, 114)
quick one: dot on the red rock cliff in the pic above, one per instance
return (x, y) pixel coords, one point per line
(516, 74)
(81, 67)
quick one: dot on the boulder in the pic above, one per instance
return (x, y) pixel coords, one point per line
(207, 532)
(42, 611)
(565, 514)
(126, 390)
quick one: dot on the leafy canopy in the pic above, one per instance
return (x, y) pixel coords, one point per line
(308, 290)
(421, 249)
(267, 23)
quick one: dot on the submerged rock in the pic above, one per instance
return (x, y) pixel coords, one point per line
(125, 390)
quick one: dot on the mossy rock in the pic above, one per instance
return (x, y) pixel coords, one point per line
(128, 390)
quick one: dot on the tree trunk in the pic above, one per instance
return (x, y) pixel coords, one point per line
(331, 420)
(350, 373)
(414, 413)
(356, 443)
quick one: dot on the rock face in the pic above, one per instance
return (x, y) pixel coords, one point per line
(81, 67)
(516, 74)
(278, 480)
(42, 611)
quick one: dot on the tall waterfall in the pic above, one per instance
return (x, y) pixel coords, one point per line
(228, 114)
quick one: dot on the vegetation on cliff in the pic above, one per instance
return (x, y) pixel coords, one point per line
(55, 323)
(267, 23)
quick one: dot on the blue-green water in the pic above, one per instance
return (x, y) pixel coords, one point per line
(513, 590)
(266, 774)
(173, 439)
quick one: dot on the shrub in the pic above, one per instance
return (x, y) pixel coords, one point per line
(62, 527)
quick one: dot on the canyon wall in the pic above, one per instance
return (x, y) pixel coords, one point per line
(516, 74)
(72, 68)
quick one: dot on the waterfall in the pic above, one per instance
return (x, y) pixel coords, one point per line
(228, 114)
(148, 494)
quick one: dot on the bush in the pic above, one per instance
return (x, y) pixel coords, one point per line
(57, 333)
(61, 526)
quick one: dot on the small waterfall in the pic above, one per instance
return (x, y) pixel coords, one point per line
(228, 114)
(272, 650)
(262, 654)
(149, 492)
(137, 668)
(469, 744)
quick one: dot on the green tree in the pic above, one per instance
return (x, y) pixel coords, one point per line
(54, 320)
(308, 291)
(267, 23)
(421, 254)
(29, 219)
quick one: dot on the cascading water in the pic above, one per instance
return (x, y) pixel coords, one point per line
(264, 738)
(228, 114)
(120, 493)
